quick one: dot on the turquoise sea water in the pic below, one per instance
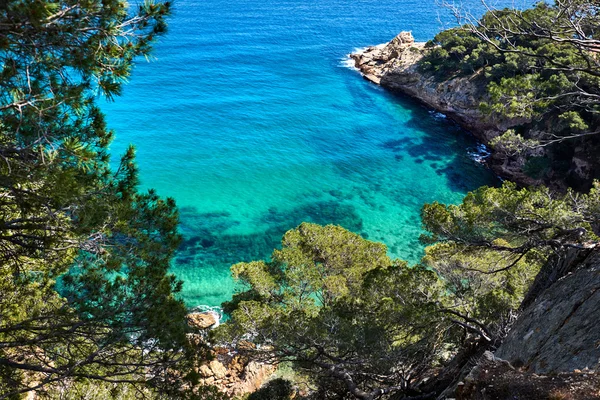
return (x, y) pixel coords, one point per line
(250, 118)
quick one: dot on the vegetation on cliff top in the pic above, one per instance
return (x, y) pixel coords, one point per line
(540, 66)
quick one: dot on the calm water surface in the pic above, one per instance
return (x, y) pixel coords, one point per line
(251, 119)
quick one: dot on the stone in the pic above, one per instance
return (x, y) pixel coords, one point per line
(559, 331)
(244, 345)
(219, 350)
(218, 369)
(373, 79)
(205, 370)
(238, 363)
(195, 339)
(202, 320)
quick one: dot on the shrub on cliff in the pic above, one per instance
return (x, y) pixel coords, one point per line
(277, 389)
(335, 304)
(506, 235)
(360, 323)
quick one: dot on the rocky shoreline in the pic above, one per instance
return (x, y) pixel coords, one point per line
(394, 66)
(230, 370)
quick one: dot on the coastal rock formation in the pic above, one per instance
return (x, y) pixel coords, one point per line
(203, 320)
(230, 370)
(559, 332)
(234, 374)
(394, 65)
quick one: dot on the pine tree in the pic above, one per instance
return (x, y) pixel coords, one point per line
(85, 292)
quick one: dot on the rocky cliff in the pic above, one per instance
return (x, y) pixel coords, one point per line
(394, 65)
(560, 330)
(553, 349)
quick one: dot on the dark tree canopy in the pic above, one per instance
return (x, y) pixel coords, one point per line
(336, 306)
(85, 291)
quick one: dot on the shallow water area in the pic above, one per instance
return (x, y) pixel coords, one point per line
(253, 120)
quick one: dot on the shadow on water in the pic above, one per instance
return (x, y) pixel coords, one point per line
(208, 245)
(206, 234)
(443, 145)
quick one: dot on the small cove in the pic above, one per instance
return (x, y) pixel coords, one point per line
(251, 119)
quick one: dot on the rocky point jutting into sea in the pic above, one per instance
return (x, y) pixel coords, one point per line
(395, 66)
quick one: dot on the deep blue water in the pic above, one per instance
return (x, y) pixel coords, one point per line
(251, 120)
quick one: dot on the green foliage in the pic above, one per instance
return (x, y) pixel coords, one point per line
(336, 305)
(457, 52)
(361, 324)
(475, 290)
(491, 247)
(522, 218)
(84, 257)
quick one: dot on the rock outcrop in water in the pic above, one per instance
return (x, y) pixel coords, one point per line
(203, 320)
(394, 65)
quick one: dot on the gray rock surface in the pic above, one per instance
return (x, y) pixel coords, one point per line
(560, 331)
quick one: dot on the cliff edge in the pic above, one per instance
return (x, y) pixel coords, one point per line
(395, 66)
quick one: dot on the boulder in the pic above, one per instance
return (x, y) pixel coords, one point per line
(203, 320)
(218, 370)
(238, 364)
(205, 370)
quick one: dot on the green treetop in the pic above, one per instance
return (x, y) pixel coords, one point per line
(68, 220)
(336, 306)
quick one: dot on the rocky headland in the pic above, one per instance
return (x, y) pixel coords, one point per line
(395, 66)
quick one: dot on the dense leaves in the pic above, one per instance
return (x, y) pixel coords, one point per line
(336, 305)
(540, 69)
(495, 243)
(85, 292)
